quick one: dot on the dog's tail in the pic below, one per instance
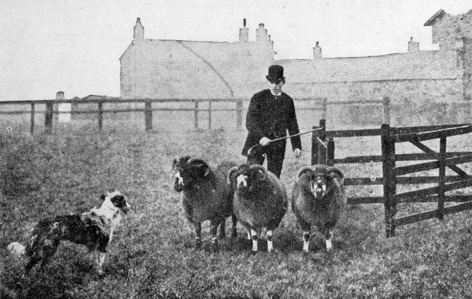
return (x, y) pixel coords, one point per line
(16, 249)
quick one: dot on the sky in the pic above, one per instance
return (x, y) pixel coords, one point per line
(74, 46)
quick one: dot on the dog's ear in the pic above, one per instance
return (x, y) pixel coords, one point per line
(102, 197)
(119, 201)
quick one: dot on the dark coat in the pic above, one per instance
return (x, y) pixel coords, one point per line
(271, 117)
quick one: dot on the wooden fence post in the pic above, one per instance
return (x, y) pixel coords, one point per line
(48, 116)
(32, 118)
(386, 110)
(318, 152)
(442, 176)
(100, 115)
(330, 154)
(314, 147)
(148, 116)
(322, 159)
(324, 114)
(195, 116)
(389, 180)
(239, 116)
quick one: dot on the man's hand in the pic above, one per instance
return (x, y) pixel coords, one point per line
(298, 153)
(264, 141)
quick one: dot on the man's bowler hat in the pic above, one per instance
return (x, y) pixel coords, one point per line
(276, 74)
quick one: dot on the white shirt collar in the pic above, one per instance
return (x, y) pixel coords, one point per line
(277, 95)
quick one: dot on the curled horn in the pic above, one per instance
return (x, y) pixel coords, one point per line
(304, 170)
(176, 161)
(334, 170)
(261, 169)
(230, 173)
(201, 163)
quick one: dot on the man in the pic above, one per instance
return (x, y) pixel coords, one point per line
(270, 114)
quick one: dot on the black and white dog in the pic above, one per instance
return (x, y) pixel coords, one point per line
(93, 229)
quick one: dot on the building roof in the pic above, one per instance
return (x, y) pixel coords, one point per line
(439, 14)
(182, 65)
(400, 66)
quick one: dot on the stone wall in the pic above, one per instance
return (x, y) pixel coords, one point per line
(448, 28)
(177, 69)
(183, 69)
(467, 64)
(413, 102)
(425, 87)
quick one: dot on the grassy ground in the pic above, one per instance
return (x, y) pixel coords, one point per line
(152, 255)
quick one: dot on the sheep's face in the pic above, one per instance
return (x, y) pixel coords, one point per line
(242, 183)
(180, 180)
(187, 174)
(246, 180)
(319, 180)
(318, 184)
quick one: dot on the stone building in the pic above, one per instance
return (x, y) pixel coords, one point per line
(424, 87)
(178, 69)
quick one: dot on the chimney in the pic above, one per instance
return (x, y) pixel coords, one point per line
(60, 95)
(244, 33)
(413, 47)
(317, 52)
(138, 30)
(261, 33)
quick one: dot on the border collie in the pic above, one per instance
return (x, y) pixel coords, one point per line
(93, 229)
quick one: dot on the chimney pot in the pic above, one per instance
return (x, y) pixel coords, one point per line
(413, 46)
(317, 52)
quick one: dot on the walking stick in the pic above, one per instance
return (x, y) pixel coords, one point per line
(257, 146)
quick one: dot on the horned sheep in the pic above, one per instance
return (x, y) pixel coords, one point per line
(260, 201)
(318, 199)
(205, 195)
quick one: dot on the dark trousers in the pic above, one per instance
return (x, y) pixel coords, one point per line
(275, 154)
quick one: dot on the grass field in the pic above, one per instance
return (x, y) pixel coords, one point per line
(152, 254)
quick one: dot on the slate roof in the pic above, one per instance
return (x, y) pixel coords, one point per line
(400, 66)
(203, 65)
(439, 14)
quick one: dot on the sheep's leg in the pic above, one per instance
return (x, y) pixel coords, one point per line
(49, 249)
(255, 238)
(198, 235)
(328, 236)
(44, 261)
(32, 261)
(214, 230)
(249, 237)
(100, 261)
(306, 228)
(234, 232)
(270, 247)
(306, 240)
(222, 227)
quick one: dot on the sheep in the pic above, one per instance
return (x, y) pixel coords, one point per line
(260, 201)
(205, 196)
(318, 199)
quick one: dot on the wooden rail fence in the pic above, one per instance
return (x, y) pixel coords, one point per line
(51, 108)
(323, 152)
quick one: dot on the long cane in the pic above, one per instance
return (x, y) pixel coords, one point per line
(252, 148)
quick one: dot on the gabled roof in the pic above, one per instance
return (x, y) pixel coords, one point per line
(439, 14)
